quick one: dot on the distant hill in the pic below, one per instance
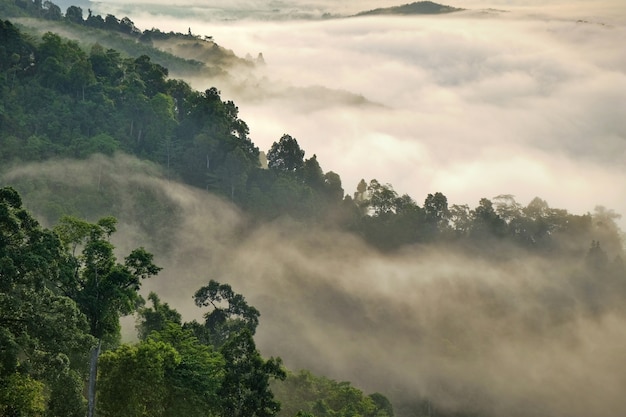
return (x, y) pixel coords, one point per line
(420, 7)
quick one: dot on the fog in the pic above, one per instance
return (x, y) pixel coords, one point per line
(528, 101)
(515, 97)
(507, 334)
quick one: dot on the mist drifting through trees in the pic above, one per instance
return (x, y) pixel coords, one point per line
(426, 281)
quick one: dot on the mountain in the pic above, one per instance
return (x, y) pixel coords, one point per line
(420, 7)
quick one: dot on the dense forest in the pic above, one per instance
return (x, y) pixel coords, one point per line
(63, 289)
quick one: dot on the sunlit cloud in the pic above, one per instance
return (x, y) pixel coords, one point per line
(528, 102)
(525, 101)
(512, 333)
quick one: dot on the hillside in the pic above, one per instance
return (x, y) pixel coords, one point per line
(184, 54)
(107, 153)
(420, 7)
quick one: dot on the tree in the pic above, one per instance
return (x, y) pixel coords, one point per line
(332, 186)
(485, 221)
(304, 394)
(20, 395)
(74, 14)
(382, 198)
(133, 380)
(461, 219)
(40, 329)
(156, 318)
(51, 11)
(111, 22)
(103, 289)
(194, 383)
(230, 326)
(285, 155)
(245, 391)
(230, 313)
(312, 174)
(436, 213)
(233, 173)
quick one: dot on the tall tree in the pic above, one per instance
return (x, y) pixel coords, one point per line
(40, 329)
(193, 383)
(74, 14)
(230, 325)
(103, 288)
(285, 155)
(229, 312)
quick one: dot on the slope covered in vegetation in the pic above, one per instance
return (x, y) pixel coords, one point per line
(63, 290)
(420, 7)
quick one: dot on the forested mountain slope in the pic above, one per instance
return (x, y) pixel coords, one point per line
(89, 131)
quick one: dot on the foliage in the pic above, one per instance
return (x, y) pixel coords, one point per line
(61, 289)
(420, 7)
(194, 384)
(71, 103)
(103, 288)
(285, 155)
(133, 380)
(42, 332)
(222, 322)
(245, 388)
(304, 394)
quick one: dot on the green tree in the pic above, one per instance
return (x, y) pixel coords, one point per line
(42, 333)
(436, 214)
(230, 325)
(194, 384)
(103, 289)
(233, 173)
(305, 394)
(312, 174)
(51, 11)
(381, 198)
(285, 155)
(246, 391)
(133, 380)
(156, 318)
(485, 221)
(332, 186)
(20, 395)
(74, 14)
(229, 312)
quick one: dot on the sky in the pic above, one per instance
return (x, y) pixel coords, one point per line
(509, 97)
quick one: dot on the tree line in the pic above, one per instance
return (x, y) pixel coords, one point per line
(63, 290)
(61, 101)
(62, 293)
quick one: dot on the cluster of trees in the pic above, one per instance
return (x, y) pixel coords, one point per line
(62, 293)
(65, 101)
(303, 394)
(390, 221)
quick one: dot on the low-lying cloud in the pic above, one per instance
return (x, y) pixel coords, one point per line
(477, 104)
(472, 104)
(510, 334)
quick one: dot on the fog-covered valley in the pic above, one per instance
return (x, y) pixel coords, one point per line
(527, 96)
(503, 99)
(501, 332)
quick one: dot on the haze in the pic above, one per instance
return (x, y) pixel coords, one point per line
(527, 101)
(508, 334)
